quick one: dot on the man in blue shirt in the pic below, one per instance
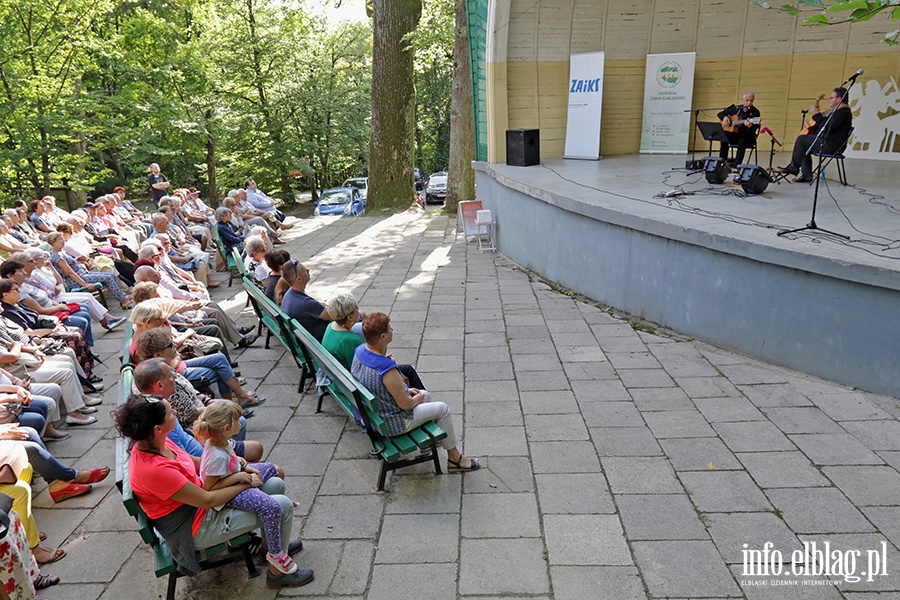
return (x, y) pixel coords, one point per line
(308, 311)
(261, 201)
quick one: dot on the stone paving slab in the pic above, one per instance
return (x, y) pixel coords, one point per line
(616, 463)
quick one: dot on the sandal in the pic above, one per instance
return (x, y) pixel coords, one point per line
(42, 536)
(45, 581)
(71, 490)
(98, 474)
(57, 554)
(454, 466)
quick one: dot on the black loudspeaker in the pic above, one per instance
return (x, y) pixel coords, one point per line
(716, 169)
(523, 147)
(753, 178)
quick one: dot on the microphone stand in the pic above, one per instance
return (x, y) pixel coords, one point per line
(811, 226)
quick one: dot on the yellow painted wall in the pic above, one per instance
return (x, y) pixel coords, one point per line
(739, 47)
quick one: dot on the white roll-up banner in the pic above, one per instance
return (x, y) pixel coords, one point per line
(668, 90)
(585, 101)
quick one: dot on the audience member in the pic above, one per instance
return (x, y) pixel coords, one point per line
(403, 408)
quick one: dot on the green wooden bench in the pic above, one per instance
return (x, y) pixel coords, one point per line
(241, 270)
(347, 391)
(230, 261)
(126, 344)
(235, 550)
(276, 323)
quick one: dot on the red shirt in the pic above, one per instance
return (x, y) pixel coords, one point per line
(155, 478)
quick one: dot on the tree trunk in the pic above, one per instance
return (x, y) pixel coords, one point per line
(391, 153)
(461, 178)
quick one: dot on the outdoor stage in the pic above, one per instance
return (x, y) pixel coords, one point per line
(710, 263)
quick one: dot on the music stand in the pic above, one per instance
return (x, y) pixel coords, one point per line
(712, 132)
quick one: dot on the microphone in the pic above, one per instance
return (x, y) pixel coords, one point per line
(853, 77)
(772, 135)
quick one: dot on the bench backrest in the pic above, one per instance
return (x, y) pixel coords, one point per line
(238, 262)
(127, 336)
(277, 322)
(229, 260)
(343, 382)
(122, 452)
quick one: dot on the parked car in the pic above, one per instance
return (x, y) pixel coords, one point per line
(344, 201)
(420, 183)
(360, 183)
(436, 190)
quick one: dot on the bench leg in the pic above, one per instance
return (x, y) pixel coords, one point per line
(170, 590)
(382, 476)
(258, 327)
(268, 337)
(252, 571)
(437, 460)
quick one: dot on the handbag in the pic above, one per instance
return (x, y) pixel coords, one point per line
(73, 307)
(50, 346)
(199, 345)
(9, 412)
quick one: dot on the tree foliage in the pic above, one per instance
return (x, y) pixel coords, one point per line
(92, 91)
(832, 12)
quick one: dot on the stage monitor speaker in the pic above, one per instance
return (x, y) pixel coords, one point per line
(753, 178)
(523, 147)
(716, 169)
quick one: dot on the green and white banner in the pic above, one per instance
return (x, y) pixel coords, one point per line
(668, 90)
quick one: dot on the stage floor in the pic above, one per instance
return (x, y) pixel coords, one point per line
(631, 190)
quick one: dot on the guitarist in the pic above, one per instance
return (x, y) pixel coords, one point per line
(743, 136)
(831, 140)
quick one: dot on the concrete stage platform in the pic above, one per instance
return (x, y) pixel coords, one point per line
(710, 263)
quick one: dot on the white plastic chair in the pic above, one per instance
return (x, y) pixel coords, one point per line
(485, 224)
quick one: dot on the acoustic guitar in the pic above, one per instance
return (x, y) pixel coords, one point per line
(733, 125)
(811, 125)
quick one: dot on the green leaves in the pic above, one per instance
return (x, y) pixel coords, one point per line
(790, 9)
(832, 12)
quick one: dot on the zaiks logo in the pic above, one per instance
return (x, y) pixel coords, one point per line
(585, 85)
(669, 74)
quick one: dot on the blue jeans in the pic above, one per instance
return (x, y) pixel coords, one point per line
(44, 463)
(82, 321)
(34, 415)
(214, 367)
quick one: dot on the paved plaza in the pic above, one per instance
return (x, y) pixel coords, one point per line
(618, 462)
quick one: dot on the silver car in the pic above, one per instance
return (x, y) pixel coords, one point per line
(436, 189)
(360, 183)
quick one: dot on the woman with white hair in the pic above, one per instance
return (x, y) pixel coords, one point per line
(227, 232)
(255, 258)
